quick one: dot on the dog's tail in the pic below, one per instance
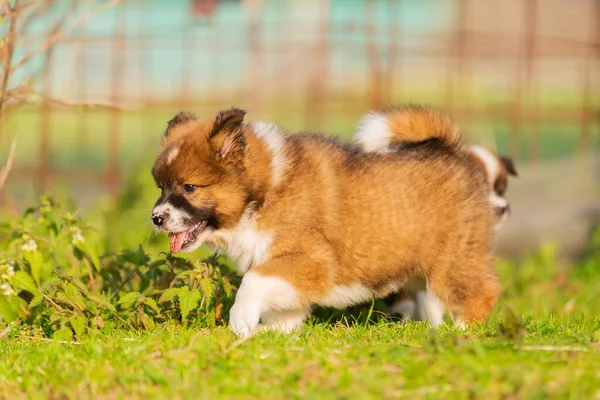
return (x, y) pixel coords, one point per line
(394, 129)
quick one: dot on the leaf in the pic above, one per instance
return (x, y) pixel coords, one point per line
(37, 300)
(168, 295)
(208, 287)
(79, 325)
(152, 304)
(8, 311)
(101, 300)
(148, 322)
(227, 286)
(24, 281)
(129, 298)
(211, 319)
(184, 274)
(98, 321)
(187, 300)
(92, 255)
(219, 311)
(63, 334)
(36, 261)
(157, 263)
(137, 257)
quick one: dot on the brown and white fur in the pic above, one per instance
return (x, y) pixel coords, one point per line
(311, 221)
(375, 133)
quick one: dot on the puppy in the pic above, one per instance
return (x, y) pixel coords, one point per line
(414, 301)
(311, 221)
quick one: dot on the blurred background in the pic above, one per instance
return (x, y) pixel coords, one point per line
(88, 86)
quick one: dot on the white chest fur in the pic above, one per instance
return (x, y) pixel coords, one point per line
(245, 244)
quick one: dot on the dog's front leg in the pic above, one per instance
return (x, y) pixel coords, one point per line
(280, 292)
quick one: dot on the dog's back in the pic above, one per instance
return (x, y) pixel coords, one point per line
(387, 218)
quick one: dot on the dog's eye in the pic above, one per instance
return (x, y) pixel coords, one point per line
(188, 188)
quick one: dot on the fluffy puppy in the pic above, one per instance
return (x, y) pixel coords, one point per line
(375, 134)
(311, 221)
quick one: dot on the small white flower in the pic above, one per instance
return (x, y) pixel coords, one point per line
(77, 236)
(29, 245)
(8, 271)
(6, 289)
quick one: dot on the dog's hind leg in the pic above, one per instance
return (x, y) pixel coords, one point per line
(285, 321)
(429, 307)
(469, 291)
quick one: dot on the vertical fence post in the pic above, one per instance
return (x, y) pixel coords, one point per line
(252, 93)
(463, 62)
(112, 167)
(316, 95)
(592, 59)
(81, 79)
(394, 74)
(455, 56)
(184, 91)
(373, 56)
(45, 170)
(531, 68)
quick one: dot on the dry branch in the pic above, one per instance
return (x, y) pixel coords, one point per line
(6, 169)
(20, 16)
(57, 36)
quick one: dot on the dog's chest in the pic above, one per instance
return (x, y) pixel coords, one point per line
(245, 244)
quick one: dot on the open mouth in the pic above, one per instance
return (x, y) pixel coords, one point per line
(179, 240)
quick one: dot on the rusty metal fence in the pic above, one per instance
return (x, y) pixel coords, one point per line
(317, 64)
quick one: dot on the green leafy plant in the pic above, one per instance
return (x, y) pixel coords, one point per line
(54, 280)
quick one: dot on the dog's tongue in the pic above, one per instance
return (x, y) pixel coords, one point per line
(176, 241)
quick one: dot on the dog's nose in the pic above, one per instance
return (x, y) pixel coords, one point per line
(159, 219)
(502, 210)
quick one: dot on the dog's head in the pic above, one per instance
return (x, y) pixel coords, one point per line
(498, 169)
(200, 172)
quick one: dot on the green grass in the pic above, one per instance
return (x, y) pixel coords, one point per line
(543, 341)
(557, 358)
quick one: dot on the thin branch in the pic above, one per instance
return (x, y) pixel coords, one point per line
(59, 35)
(9, 42)
(35, 9)
(32, 97)
(6, 169)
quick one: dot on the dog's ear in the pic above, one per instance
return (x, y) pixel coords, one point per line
(509, 165)
(226, 137)
(179, 119)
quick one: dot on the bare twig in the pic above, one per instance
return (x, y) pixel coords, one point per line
(6, 169)
(9, 43)
(63, 32)
(31, 97)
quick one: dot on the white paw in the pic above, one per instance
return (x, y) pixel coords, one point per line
(243, 319)
(430, 307)
(406, 308)
(256, 295)
(284, 321)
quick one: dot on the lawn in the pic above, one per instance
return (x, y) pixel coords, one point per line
(557, 358)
